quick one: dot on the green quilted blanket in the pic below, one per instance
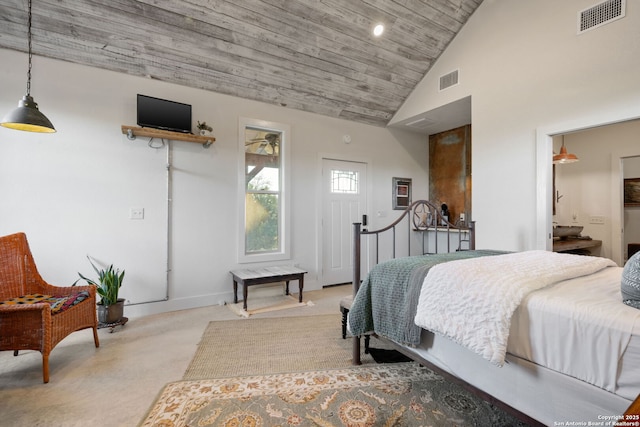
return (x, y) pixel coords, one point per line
(387, 298)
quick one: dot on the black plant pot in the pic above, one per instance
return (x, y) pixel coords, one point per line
(111, 313)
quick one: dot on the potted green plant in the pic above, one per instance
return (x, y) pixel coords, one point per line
(110, 307)
(204, 128)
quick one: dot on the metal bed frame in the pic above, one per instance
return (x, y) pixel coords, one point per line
(421, 216)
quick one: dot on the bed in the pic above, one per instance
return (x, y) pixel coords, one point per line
(558, 349)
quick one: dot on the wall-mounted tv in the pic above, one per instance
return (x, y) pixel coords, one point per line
(163, 114)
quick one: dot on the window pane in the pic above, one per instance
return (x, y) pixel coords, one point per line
(261, 226)
(262, 178)
(344, 182)
(262, 159)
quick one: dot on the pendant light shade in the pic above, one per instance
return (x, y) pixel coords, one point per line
(564, 157)
(27, 116)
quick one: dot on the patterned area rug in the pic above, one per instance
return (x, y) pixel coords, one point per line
(400, 394)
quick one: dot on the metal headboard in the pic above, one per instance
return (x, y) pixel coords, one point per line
(423, 216)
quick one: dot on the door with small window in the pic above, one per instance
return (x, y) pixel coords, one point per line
(344, 202)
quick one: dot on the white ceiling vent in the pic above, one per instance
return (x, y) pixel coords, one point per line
(421, 123)
(449, 80)
(600, 14)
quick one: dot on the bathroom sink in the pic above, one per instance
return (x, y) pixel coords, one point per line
(564, 231)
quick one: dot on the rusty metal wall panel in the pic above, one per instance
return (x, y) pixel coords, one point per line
(450, 171)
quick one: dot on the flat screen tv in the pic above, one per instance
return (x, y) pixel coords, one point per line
(163, 114)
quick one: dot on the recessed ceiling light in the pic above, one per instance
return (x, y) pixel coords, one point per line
(378, 30)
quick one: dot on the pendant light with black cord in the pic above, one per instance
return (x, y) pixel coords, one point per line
(27, 116)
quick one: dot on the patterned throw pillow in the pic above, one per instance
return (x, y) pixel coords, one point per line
(61, 303)
(26, 299)
(630, 286)
(58, 303)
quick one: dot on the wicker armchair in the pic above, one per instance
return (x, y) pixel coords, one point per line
(26, 324)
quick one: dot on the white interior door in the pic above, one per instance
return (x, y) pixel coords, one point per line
(344, 200)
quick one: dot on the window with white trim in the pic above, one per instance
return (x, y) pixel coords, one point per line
(264, 233)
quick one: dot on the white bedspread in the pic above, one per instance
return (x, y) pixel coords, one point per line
(580, 327)
(471, 301)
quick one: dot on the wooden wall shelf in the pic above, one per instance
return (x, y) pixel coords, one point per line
(575, 244)
(133, 131)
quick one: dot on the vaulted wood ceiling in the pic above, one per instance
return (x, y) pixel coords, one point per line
(313, 55)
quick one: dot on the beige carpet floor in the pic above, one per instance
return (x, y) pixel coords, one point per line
(267, 346)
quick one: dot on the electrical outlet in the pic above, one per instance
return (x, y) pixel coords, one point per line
(136, 213)
(596, 219)
(462, 217)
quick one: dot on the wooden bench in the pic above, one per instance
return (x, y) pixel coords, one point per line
(258, 276)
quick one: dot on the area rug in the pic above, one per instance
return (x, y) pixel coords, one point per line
(401, 394)
(258, 346)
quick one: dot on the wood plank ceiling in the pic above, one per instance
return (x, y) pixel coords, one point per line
(312, 55)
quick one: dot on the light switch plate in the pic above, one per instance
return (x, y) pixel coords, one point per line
(136, 213)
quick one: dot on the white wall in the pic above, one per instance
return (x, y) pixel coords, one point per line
(528, 72)
(71, 191)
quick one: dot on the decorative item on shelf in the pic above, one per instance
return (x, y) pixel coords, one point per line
(110, 307)
(444, 211)
(27, 116)
(203, 128)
